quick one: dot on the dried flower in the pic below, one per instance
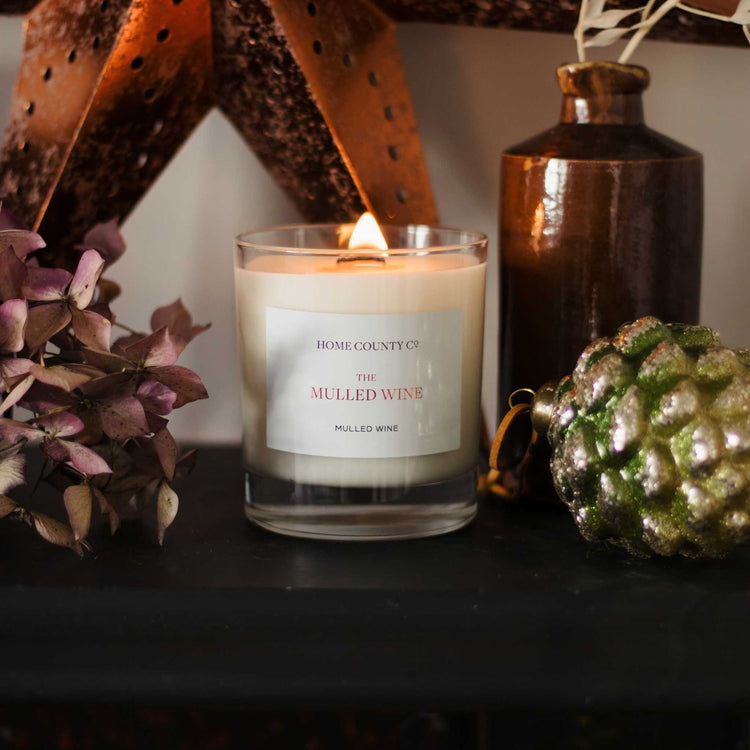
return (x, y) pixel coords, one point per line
(99, 416)
(64, 298)
(106, 239)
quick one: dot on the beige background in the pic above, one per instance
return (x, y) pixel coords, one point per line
(476, 91)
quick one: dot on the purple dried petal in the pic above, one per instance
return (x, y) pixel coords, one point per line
(143, 497)
(46, 284)
(114, 521)
(101, 498)
(59, 376)
(179, 323)
(11, 368)
(13, 314)
(42, 398)
(109, 385)
(12, 373)
(81, 368)
(156, 350)
(55, 532)
(175, 317)
(128, 483)
(119, 460)
(109, 291)
(59, 424)
(56, 450)
(105, 238)
(78, 499)
(106, 507)
(105, 361)
(22, 241)
(80, 457)
(195, 330)
(92, 433)
(122, 500)
(64, 340)
(12, 275)
(166, 508)
(12, 472)
(12, 430)
(145, 459)
(155, 422)
(45, 321)
(185, 383)
(103, 309)
(83, 285)
(17, 393)
(124, 342)
(123, 417)
(91, 329)
(156, 397)
(166, 450)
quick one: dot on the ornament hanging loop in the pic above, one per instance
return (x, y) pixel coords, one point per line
(520, 397)
(514, 441)
(512, 415)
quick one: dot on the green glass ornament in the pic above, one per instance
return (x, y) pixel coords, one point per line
(650, 440)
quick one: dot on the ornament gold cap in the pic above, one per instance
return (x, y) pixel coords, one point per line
(541, 409)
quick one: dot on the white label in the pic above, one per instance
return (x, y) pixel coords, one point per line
(363, 386)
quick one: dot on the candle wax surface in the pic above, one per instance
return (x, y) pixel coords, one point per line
(405, 284)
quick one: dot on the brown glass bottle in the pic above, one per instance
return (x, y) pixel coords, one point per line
(601, 222)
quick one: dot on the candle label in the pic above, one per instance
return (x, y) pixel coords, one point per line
(363, 386)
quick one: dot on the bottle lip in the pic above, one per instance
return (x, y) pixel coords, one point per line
(596, 78)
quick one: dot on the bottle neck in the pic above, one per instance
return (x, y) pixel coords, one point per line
(603, 109)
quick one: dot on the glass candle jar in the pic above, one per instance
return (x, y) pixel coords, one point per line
(361, 374)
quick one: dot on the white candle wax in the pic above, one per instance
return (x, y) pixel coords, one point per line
(449, 285)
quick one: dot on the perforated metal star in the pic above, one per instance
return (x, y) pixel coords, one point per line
(109, 89)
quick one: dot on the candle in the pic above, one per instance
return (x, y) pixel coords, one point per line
(361, 372)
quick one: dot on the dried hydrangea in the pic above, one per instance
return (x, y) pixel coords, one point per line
(98, 408)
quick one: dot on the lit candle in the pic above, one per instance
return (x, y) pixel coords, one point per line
(361, 372)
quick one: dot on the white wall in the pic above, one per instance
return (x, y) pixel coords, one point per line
(476, 91)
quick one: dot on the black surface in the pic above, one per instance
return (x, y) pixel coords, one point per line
(101, 726)
(515, 611)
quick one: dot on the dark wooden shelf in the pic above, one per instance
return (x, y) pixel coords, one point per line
(515, 611)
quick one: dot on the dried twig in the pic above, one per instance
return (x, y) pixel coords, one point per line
(598, 27)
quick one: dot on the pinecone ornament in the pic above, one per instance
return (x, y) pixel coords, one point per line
(651, 440)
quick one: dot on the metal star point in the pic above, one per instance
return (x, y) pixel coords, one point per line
(110, 89)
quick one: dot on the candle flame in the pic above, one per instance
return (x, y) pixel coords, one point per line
(367, 234)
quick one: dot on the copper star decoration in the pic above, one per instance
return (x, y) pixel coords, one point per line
(110, 89)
